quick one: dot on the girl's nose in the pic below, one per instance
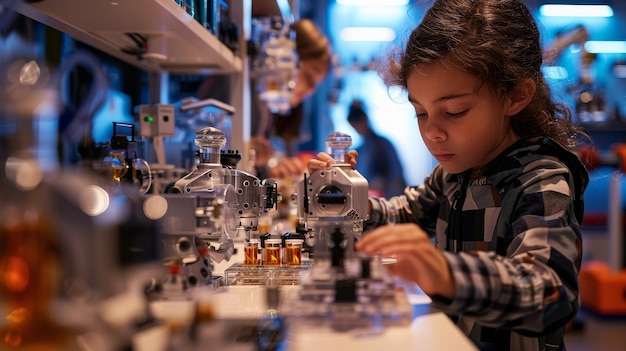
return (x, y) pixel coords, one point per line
(432, 131)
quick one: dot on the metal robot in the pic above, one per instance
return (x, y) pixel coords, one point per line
(197, 229)
(217, 167)
(204, 211)
(332, 204)
(343, 288)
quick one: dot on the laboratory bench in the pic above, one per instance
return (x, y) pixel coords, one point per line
(240, 319)
(242, 312)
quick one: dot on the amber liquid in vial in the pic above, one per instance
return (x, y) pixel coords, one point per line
(251, 253)
(293, 253)
(271, 255)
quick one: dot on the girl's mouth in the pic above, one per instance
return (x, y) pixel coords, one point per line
(443, 157)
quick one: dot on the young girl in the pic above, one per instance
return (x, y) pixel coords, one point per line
(505, 203)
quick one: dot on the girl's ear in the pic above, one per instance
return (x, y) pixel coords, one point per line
(520, 96)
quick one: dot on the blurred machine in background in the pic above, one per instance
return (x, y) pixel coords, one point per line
(603, 282)
(590, 103)
(75, 248)
(275, 66)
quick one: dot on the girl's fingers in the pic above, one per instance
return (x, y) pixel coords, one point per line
(314, 165)
(322, 161)
(388, 237)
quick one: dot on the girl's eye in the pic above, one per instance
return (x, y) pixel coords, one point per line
(420, 115)
(456, 114)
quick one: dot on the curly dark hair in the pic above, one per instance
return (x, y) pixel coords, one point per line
(497, 41)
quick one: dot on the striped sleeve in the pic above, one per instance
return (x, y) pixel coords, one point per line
(534, 287)
(419, 204)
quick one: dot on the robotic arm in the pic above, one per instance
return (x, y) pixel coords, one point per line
(590, 104)
(577, 35)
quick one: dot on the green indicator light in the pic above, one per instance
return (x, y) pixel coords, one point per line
(148, 119)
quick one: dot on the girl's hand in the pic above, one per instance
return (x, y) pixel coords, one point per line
(417, 258)
(324, 160)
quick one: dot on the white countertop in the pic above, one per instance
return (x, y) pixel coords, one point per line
(429, 331)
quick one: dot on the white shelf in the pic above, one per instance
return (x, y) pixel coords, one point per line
(186, 45)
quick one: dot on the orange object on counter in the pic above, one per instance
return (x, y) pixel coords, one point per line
(593, 159)
(603, 290)
(620, 151)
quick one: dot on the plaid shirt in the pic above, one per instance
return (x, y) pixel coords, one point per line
(512, 240)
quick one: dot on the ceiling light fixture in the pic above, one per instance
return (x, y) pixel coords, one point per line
(373, 2)
(605, 47)
(555, 72)
(562, 10)
(367, 34)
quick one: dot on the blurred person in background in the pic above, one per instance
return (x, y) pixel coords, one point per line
(314, 53)
(378, 160)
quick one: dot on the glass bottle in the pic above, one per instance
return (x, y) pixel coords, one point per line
(338, 143)
(29, 255)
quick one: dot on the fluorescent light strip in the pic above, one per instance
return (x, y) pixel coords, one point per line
(367, 34)
(576, 10)
(555, 72)
(605, 47)
(373, 2)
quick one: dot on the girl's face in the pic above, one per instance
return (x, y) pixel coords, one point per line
(462, 122)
